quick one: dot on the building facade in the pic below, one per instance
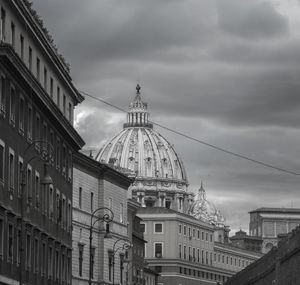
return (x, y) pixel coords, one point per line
(279, 266)
(242, 240)
(268, 223)
(182, 249)
(37, 99)
(96, 186)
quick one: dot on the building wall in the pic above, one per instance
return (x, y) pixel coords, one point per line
(50, 70)
(279, 266)
(180, 262)
(109, 190)
(28, 115)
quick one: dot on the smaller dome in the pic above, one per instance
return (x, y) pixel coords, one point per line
(204, 210)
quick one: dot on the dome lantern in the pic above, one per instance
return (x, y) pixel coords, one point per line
(138, 116)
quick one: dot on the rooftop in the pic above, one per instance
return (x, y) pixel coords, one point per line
(276, 210)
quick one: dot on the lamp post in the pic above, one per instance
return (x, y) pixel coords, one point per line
(126, 245)
(107, 217)
(46, 153)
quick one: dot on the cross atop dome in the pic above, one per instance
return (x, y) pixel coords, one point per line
(138, 88)
(138, 115)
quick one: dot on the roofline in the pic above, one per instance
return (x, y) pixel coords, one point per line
(95, 165)
(36, 29)
(275, 210)
(7, 52)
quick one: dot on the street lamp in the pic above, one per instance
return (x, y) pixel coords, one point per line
(107, 217)
(126, 245)
(46, 154)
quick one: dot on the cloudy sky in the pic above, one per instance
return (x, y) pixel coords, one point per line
(223, 71)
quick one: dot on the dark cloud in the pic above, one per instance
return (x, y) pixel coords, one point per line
(226, 72)
(251, 19)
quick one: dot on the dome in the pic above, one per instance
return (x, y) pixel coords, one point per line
(205, 210)
(160, 174)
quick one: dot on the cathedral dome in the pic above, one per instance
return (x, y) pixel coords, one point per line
(205, 210)
(159, 171)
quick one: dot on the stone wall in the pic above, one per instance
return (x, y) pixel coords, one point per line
(279, 267)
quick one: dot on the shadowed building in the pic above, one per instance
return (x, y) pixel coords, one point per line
(37, 99)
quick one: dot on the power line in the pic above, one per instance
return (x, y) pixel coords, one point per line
(201, 141)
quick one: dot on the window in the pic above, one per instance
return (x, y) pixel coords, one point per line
(194, 233)
(69, 216)
(37, 128)
(63, 211)
(50, 262)
(2, 24)
(37, 189)
(10, 243)
(92, 261)
(12, 34)
(202, 235)
(28, 251)
(198, 234)
(179, 229)
(36, 256)
(2, 156)
(80, 249)
(179, 251)
(51, 198)
(121, 213)
(142, 228)
(2, 96)
(58, 153)
(211, 237)
(190, 232)
(70, 166)
(22, 47)
(38, 67)
(206, 236)
(158, 228)
(58, 97)
(12, 105)
(80, 198)
(184, 252)
(30, 58)
(198, 255)
(110, 262)
(11, 169)
(51, 87)
(1, 238)
(29, 184)
(70, 112)
(64, 160)
(184, 230)
(20, 168)
(57, 265)
(21, 115)
(64, 104)
(158, 250)
(45, 78)
(58, 206)
(29, 122)
(92, 202)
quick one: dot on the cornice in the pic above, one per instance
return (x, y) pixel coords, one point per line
(40, 36)
(9, 56)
